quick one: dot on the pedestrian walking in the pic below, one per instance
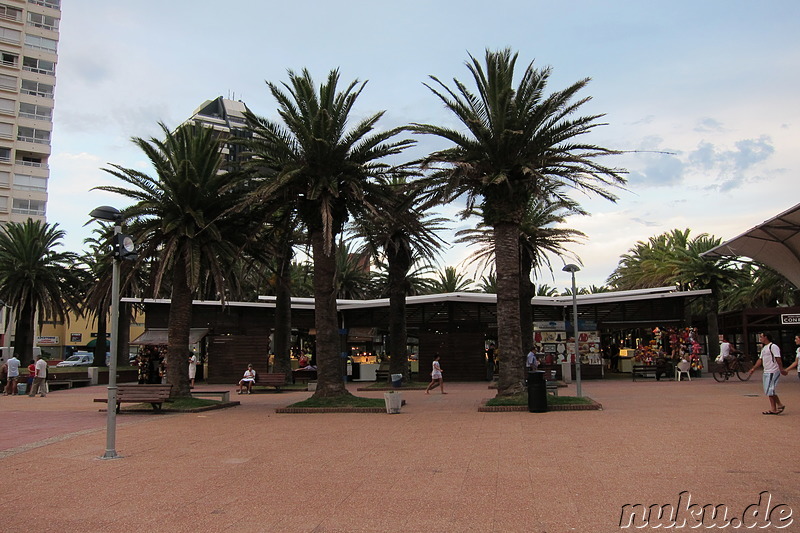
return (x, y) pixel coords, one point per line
(436, 377)
(13, 376)
(770, 359)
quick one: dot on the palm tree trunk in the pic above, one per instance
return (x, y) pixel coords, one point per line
(525, 296)
(330, 375)
(283, 317)
(399, 265)
(509, 337)
(179, 323)
(101, 341)
(23, 333)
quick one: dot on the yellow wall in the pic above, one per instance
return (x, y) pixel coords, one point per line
(54, 339)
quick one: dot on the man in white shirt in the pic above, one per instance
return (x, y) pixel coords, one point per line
(13, 376)
(770, 359)
(796, 357)
(532, 363)
(39, 378)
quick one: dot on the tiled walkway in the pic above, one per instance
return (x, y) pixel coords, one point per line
(438, 466)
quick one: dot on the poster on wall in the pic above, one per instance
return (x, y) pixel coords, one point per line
(75, 337)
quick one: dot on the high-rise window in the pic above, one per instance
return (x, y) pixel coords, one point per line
(30, 183)
(5, 154)
(23, 206)
(10, 13)
(34, 111)
(36, 88)
(4, 204)
(6, 106)
(5, 178)
(42, 21)
(8, 82)
(39, 66)
(41, 43)
(8, 35)
(6, 130)
(33, 135)
(55, 4)
(8, 59)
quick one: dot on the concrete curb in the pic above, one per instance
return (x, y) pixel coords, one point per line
(594, 406)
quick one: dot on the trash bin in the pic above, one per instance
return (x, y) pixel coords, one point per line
(397, 380)
(537, 392)
(22, 388)
(393, 402)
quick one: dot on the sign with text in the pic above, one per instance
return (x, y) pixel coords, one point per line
(47, 341)
(790, 319)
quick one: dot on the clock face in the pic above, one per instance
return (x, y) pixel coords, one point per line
(127, 244)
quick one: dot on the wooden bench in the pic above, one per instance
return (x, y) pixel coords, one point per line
(223, 395)
(381, 375)
(68, 382)
(155, 395)
(302, 375)
(657, 371)
(276, 380)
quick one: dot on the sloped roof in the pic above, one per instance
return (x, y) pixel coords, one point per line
(774, 243)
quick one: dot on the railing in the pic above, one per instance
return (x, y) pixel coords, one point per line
(30, 163)
(10, 41)
(39, 70)
(44, 26)
(32, 92)
(23, 138)
(34, 212)
(6, 136)
(8, 63)
(54, 4)
(34, 116)
(16, 17)
(45, 48)
(30, 188)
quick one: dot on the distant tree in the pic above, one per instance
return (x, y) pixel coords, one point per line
(37, 278)
(451, 280)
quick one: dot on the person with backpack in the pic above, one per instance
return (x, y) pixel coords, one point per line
(770, 359)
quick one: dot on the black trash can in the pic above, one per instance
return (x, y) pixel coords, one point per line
(537, 392)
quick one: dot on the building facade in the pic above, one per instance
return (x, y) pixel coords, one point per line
(28, 57)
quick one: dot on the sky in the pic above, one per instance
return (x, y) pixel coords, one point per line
(702, 96)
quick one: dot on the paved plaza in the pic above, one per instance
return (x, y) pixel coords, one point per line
(440, 465)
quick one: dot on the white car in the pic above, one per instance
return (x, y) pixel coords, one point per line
(78, 359)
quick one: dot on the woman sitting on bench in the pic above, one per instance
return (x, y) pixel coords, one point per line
(247, 381)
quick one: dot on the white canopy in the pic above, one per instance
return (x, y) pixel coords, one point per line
(774, 243)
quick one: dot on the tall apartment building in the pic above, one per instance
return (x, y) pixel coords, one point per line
(225, 116)
(28, 46)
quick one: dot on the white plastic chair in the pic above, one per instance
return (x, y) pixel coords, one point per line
(683, 368)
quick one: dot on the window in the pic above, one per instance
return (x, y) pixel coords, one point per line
(7, 35)
(6, 106)
(5, 178)
(36, 88)
(8, 82)
(41, 43)
(33, 135)
(6, 131)
(39, 66)
(55, 4)
(28, 161)
(5, 154)
(34, 111)
(42, 21)
(27, 207)
(10, 13)
(4, 204)
(10, 60)
(30, 183)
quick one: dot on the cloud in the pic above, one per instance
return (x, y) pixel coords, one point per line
(708, 125)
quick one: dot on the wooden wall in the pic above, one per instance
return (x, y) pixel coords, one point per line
(461, 350)
(229, 355)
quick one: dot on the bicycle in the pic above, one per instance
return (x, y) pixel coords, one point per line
(738, 367)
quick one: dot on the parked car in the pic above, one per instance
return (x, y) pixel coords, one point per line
(78, 359)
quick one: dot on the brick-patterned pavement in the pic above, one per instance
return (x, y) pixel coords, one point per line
(440, 465)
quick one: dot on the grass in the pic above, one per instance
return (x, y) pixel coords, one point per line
(341, 401)
(522, 399)
(179, 404)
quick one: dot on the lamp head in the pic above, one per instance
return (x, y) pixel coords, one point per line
(571, 268)
(107, 213)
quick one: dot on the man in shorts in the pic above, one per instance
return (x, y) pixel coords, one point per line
(770, 359)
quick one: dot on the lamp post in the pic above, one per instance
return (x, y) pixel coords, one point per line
(571, 268)
(111, 214)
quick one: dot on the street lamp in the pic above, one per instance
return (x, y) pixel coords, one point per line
(111, 214)
(572, 269)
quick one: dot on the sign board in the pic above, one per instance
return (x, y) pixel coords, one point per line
(47, 341)
(550, 325)
(75, 337)
(790, 319)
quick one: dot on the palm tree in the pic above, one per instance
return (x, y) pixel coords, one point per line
(517, 141)
(36, 278)
(184, 222)
(450, 280)
(400, 233)
(672, 258)
(312, 158)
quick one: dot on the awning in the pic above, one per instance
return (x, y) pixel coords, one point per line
(158, 336)
(774, 243)
(92, 343)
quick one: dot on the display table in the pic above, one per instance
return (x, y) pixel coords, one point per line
(367, 372)
(626, 364)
